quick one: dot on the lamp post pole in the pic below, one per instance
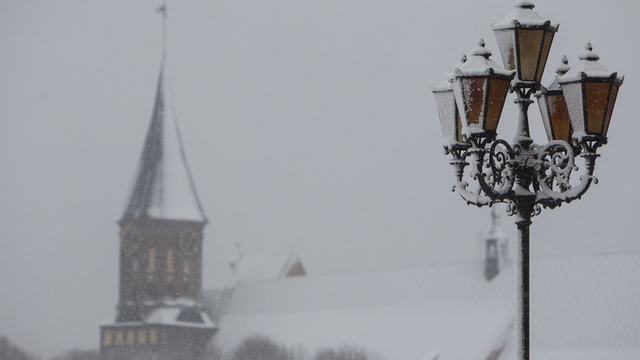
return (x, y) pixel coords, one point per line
(523, 223)
(576, 109)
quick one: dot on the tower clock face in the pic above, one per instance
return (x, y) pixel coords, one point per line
(189, 242)
(130, 239)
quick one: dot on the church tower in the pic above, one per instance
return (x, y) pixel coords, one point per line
(496, 249)
(159, 309)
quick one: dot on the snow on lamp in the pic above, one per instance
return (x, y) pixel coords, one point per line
(590, 92)
(524, 39)
(480, 87)
(553, 107)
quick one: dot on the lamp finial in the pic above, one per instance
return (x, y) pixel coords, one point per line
(562, 69)
(589, 54)
(525, 4)
(481, 50)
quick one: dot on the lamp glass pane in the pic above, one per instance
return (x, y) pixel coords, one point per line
(497, 94)
(529, 44)
(543, 104)
(612, 101)
(507, 43)
(575, 105)
(597, 94)
(544, 55)
(448, 112)
(559, 116)
(474, 92)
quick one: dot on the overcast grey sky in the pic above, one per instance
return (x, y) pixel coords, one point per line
(309, 127)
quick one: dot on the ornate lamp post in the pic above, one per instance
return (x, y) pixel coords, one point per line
(576, 110)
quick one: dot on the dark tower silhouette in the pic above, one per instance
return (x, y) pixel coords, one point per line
(159, 309)
(496, 250)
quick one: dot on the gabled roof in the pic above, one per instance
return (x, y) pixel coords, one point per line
(418, 313)
(582, 307)
(257, 267)
(163, 187)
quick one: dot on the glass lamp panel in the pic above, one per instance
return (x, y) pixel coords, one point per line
(575, 106)
(543, 104)
(597, 94)
(497, 94)
(447, 111)
(544, 54)
(559, 117)
(507, 44)
(612, 101)
(474, 91)
(529, 45)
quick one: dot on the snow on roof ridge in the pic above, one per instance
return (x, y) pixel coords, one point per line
(251, 268)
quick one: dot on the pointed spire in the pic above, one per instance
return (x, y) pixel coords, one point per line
(163, 187)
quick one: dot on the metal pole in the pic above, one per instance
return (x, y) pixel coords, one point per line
(523, 269)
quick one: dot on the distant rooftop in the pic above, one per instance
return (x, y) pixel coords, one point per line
(582, 307)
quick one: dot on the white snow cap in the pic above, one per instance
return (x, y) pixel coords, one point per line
(522, 15)
(588, 66)
(479, 63)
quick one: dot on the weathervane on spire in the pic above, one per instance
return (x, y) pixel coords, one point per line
(163, 9)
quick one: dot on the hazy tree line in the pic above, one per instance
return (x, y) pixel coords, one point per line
(252, 348)
(11, 351)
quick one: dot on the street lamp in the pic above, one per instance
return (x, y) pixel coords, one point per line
(576, 111)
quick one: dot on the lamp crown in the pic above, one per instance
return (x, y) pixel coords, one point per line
(562, 69)
(480, 50)
(589, 54)
(525, 4)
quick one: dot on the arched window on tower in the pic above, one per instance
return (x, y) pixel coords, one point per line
(119, 338)
(153, 336)
(131, 336)
(107, 337)
(152, 260)
(142, 336)
(170, 260)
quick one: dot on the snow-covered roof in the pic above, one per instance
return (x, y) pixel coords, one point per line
(184, 316)
(263, 267)
(401, 314)
(585, 307)
(163, 187)
(171, 317)
(584, 302)
(582, 307)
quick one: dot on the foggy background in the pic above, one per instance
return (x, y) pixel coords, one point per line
(309, 127)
